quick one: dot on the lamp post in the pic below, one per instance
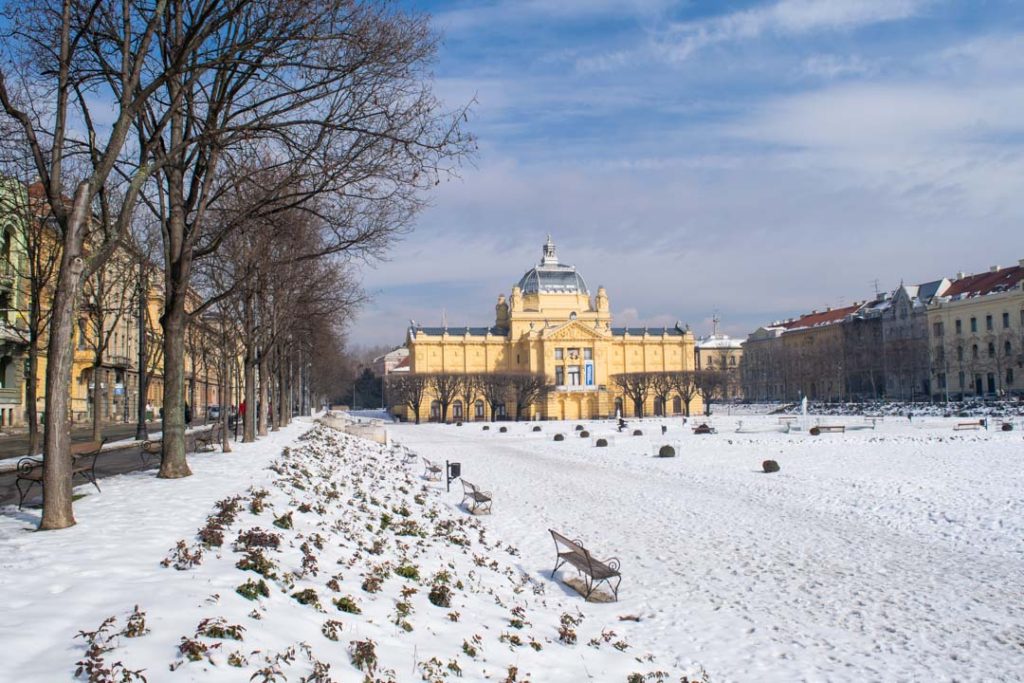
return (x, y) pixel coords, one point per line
(141, 433)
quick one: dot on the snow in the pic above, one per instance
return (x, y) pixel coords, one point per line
(891, 553)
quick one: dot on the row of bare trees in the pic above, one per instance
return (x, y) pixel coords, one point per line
(268, 144)
(710, 385)
(496, 389)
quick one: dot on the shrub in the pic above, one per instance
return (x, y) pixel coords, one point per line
(770, 466)
(440, 595)
(601, 443)
(251, 590)
(458, 424)
(307, 597)
(638, 432)
(346, 604)
(408, 571)
(584, 434)
(666, 452)
(1007, 427)
(503, 430)
(579, 428)
(284, 521)
(536, 428)
(815, 431)
(363, 654)
(486, 427)
(559, 437)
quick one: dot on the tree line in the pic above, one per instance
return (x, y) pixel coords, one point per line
(523, 389)
(259, 148)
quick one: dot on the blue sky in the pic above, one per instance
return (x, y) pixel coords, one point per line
(758, 159)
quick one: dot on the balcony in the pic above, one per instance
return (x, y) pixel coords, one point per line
(115, 360)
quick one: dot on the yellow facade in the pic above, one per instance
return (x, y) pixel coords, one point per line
(551, 324)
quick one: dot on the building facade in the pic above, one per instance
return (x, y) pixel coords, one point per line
(721, 352)
(976, 331)
(552, 325)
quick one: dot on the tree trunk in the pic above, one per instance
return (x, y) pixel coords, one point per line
(262, 403)
(57, 508)
(248, 420)
(225, 396)
(32, 411)
(97, 398)
(174, 464)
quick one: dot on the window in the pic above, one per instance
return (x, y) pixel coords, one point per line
(677, 405)
(588, 354)
(732, 360)
(961, 380)
(457, 410)
(991, 350)
(959, 326)
(1009, 375)
(937, 327)
(942, 380)
(1007, 348)
(574, 375)
(559, 353)
(435, 410)
(974, 351)
(478, 408)
(974, 324)
(991, 383)
(559, 375)
(1006, 321)
(940, 353)
(959, 353)
(988, 322)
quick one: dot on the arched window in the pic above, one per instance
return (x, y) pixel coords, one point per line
(457, 409)
(435, 411)
(478, 409)
(618, 407)
(974, 349)
(659, 406)
(677, 405)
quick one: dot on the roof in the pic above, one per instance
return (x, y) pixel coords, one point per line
(640, 331)
(552, 277)
(819, 318)
(472, 331)
(719, 342)
(995, 280)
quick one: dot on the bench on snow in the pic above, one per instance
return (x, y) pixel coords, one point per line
(205, 440)
(977, 424)
(704, 428)
(596, 571)
(431, 471)
(822, 429)
(83, 464)
(786, 419)
(475, 498)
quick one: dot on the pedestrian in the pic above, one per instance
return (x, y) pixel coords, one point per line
(188, 414)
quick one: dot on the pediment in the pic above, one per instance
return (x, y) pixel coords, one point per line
(574, 329)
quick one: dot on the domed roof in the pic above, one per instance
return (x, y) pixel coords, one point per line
(552, 277)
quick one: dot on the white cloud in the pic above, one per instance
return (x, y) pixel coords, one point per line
(783, 18)
(830, 66)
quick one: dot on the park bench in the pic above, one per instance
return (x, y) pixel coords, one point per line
(595, 571)
(704, 428)
(150, 449)
(83, 464)
(475, 498)
(206, 439)
(785, 419)
(431, 471)
(977, 424)
(822, 429)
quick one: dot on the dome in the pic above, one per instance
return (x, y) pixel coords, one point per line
(552, 277)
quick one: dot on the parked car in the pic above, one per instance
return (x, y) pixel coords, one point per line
(213, 412)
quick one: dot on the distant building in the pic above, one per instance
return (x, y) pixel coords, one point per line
(387, 363)
(976, 330)
(551, 324)
(718, 351)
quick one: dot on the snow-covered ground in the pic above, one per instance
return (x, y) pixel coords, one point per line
(892, 553)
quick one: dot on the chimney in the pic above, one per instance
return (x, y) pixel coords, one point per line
(960, 275)
(993, 269)
(1021, 263)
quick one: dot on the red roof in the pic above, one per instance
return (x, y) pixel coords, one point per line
(821, 317)
(986, 283)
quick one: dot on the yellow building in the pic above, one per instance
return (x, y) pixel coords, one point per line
(551, 324)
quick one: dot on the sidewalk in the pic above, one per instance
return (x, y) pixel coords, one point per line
(16, 445)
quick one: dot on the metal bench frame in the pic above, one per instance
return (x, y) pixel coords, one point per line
(967, 425)
(83, 463)
(431, 471)
(205, 440)
(596, 571)
(476, 497)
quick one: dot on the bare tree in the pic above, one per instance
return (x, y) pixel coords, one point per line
(685, 385)
(709, 385)
(635, 386)
(495, 389)
(469, 389)
(445, 387)
(407, 389)
(662, 386)
(527, 388)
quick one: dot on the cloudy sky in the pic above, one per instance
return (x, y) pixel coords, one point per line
(758, 159)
